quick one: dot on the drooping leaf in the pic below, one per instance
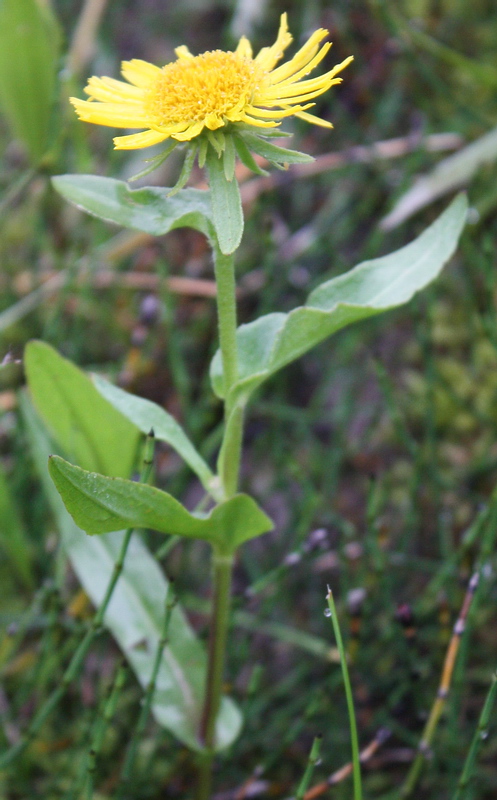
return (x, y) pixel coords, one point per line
(87, 427)
(134, 613)
(29, 52)
(146, 415)
(226, 204)
(99, 505)
(374, 286)
(149, 209)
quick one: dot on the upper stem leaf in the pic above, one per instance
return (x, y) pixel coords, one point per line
(272, 341)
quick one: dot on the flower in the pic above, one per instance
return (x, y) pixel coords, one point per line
(211, 91)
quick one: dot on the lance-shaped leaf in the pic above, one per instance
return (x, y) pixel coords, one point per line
(99, 505)
(146, 415)
(87, 427)
(150, 209)
(374, 286)
(29, 52)
(134, 615)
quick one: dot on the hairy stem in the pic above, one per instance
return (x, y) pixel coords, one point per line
(224, 269)
(229, 469)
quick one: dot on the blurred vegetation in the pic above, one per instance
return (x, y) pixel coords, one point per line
(376, 455)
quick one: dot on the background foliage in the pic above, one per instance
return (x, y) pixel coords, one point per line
(375, 455)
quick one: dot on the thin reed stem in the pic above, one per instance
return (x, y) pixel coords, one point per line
(479, 737)
(311, 763)
(356, 760)
(129, 761)
(100, 727)
(424, 746)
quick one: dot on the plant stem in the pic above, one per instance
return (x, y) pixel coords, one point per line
(217, 645)
(224, 269)
(223, 566)
(229, 468)
(230, 454)
(356, 759)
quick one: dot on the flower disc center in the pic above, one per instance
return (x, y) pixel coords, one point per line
(193, 88)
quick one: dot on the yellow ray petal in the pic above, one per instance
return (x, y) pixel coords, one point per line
(120, 86)
(291, 94)
(190, 133)
(182, 52)
(268, 57)
(301, 73)
(110, 114)
(139, 73)
(135, 141)
(110, 90)
(258, 122)
(301, 98)
(302, 56)
(330, 74)
(273, 113)
(244, 48)
(323, 123)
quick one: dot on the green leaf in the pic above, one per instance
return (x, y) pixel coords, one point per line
(273, 153)
(13, 537)
(134, 614)
(275, 340)
(99, 505)
(29, 52)
(146, 415)
(149, 209)
(226, 204)
(85, 425)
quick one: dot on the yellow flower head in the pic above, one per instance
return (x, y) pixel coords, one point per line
(210, 91)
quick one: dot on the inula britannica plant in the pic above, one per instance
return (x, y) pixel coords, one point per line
(220, 107)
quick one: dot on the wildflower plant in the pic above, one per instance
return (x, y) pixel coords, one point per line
(220, 106)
